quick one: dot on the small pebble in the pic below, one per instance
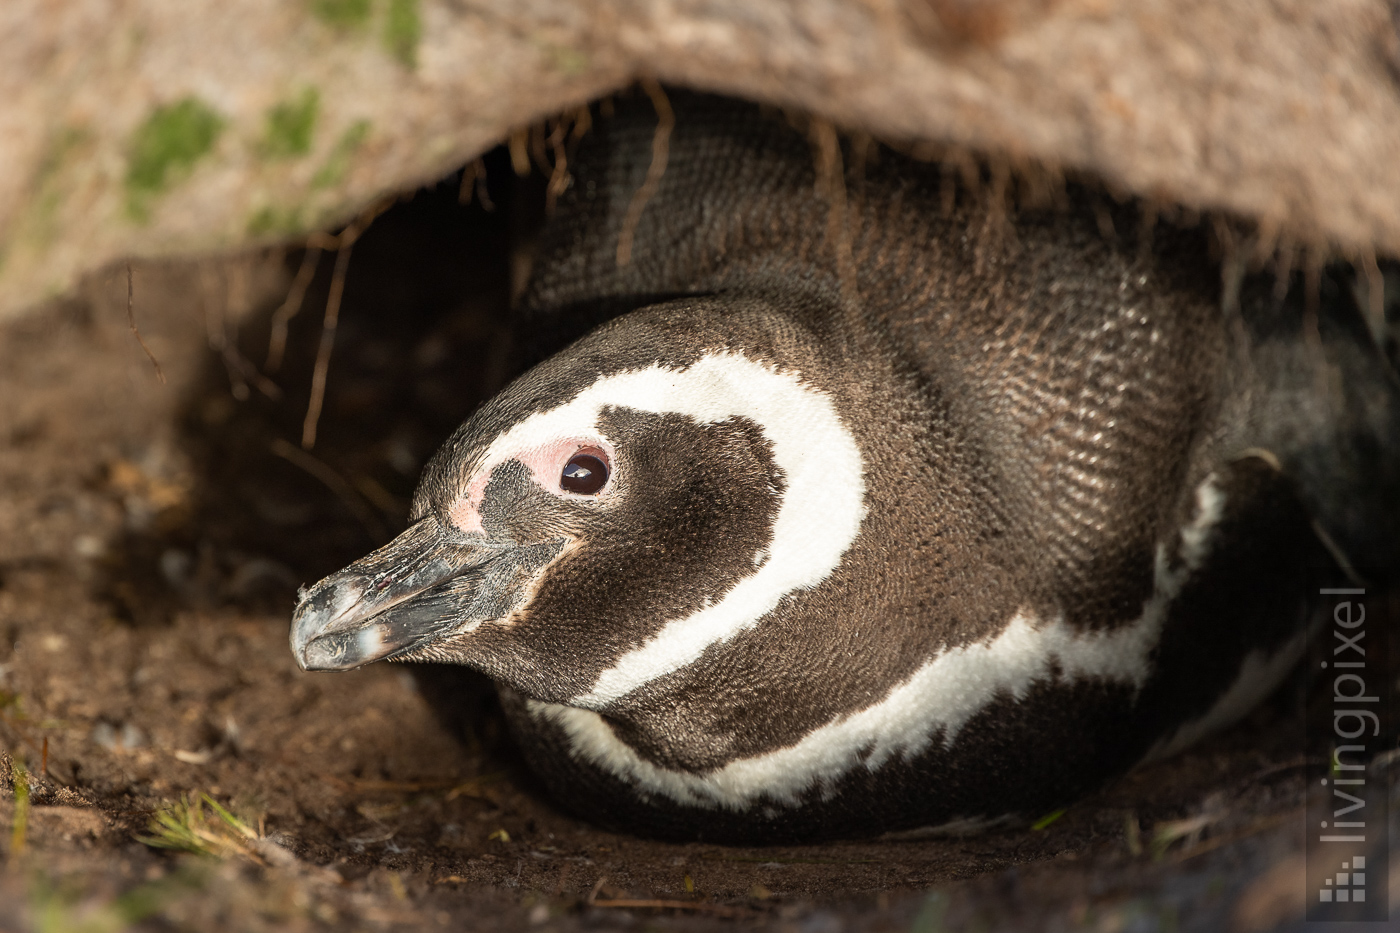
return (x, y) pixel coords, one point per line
(113, 738)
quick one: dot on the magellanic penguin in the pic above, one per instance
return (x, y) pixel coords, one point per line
(928, 516)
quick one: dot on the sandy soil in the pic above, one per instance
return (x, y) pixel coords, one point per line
(152, 536)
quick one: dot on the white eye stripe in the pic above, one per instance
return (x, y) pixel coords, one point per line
(821, 512)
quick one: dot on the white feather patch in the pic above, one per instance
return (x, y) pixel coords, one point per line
(821, 510)
(1260, 673)
(939, 698)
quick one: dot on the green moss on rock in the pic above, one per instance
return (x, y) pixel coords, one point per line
(338, 162)
(343, 14)
(291, 124)
(403, 28)
(270, 219)
(169, 143)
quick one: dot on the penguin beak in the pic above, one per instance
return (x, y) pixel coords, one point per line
(416, 590)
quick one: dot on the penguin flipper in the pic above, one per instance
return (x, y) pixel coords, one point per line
(1324, 400)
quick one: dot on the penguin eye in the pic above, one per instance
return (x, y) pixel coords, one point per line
(585, 473)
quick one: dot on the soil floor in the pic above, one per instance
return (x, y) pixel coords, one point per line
(153, 533)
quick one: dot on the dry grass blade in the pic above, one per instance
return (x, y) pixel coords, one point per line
(1132, 834)
(475, 787)
(1258, 826)
(1165, 835)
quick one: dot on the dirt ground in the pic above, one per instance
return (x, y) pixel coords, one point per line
(152, 536)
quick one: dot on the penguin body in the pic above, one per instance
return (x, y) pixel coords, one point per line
(922, 518)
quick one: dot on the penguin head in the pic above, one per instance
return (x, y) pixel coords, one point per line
(661, 483)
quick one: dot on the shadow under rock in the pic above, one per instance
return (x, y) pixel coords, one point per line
(422, 340)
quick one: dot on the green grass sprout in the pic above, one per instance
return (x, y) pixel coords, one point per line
(20, 777)
(187, 827)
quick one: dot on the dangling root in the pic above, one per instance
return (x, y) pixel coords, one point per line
(131, 322)
(277, 340)
(831, 186)
(660, 148)
(331, 321)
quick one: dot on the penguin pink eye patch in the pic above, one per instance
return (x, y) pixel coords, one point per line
(569, 466)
